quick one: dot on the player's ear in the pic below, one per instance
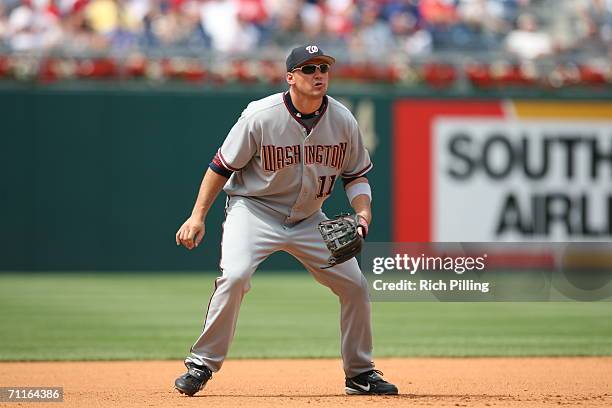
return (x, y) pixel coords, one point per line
(290, 78)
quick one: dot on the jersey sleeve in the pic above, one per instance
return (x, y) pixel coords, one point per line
(358, 162)
(237, 149)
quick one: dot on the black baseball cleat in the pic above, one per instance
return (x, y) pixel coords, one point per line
(193, 380)
(369, 383)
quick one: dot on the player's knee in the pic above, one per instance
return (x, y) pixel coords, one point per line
(354, 289)
(241, 282)
(361, 288)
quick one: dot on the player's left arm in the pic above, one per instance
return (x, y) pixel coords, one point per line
(355, 180)
(359, 194)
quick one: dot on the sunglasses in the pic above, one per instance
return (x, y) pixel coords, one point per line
(311, 68)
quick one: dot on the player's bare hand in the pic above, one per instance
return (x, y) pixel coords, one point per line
(191, 233)
(363, 226)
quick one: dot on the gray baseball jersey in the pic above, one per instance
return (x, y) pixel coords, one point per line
(282, 165)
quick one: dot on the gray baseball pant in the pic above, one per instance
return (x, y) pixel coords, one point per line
(251, 233)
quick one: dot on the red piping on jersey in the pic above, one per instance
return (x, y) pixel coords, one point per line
(220, 268)
(217, 161)
(207, 310)
(359, 173)
(224, 162)
(292, 112)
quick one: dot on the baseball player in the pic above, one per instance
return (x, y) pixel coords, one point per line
(277, 165)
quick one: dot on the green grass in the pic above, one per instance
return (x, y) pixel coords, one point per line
(157, 316)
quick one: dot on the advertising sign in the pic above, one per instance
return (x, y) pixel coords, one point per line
(503, 171)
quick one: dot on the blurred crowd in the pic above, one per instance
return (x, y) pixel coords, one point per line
(366, 28)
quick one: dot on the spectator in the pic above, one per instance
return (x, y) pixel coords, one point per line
(3, 25)
(285, 28)
(103, 16)
(367, 28)
(595, 28)
(313, 19)
(78, 36)
(439, 16)
(438, 12)
(479, 26)
(339, 17)
(528, 41)
(407, 35)
(33, 26)
(372, 37)
(175, 25)
(228, 30)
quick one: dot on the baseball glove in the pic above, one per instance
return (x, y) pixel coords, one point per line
(342, 238)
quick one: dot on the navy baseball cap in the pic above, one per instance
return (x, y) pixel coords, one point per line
(305, 53)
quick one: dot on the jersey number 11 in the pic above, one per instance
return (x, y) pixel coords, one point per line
(323, 182)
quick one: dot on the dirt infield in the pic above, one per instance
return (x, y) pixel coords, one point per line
(481, 382)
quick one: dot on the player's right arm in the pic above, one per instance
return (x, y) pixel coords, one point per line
(237, 150)
(192, 231)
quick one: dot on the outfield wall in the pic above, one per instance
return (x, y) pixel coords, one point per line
(100, 179)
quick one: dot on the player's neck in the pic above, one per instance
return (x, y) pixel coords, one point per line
(304, 104)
